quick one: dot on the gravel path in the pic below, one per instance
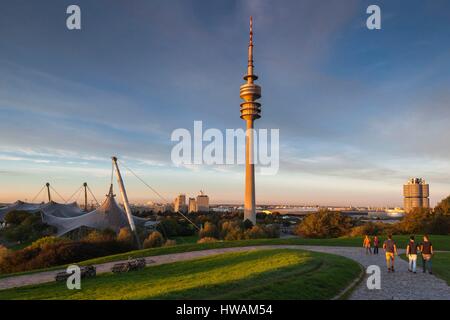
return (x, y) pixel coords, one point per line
(400, 285)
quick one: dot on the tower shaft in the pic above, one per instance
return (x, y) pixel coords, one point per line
(249, 201)
(250, 111)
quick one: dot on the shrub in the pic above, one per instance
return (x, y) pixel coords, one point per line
(58, 253)
(125, 235)
(324, 224)
(45, 241)
(3, 252)
(170, 243)
(100, 236)
(232, 230)
(209, 230)
(154, 240)
(207, 240)
(256, 232)
(371, 229)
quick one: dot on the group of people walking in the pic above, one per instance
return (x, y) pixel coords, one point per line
(413, 249)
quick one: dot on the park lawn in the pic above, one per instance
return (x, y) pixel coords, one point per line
(439, 242)
(262, 274)
(186, 239)
(441, 265)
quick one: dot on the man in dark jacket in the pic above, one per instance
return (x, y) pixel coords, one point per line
(426, 248)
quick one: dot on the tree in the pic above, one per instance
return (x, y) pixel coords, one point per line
(154, 240)
(324, 224)
(256, 232)
(416, 221)
(209, 230)
(443, 207)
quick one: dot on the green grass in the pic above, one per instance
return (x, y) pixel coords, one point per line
(264, 274)
(439, 243)
(186, 239)
(441, 265)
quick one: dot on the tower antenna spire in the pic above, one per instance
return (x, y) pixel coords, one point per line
(250, 77)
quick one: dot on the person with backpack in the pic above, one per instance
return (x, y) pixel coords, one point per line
(390, 248)
(376, 243)
(366, 244)
(411, 253)
(426, 248)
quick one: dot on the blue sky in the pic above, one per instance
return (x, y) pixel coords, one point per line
(359, 111)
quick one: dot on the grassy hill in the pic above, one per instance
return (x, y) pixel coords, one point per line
(265, 274)
(439, 242)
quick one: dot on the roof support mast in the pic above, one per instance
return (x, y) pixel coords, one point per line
(125, 202)
(85, 196)
(48, 192)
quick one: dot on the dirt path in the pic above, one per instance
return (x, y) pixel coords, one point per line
(398, 285)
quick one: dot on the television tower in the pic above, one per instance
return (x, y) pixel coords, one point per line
(250, 111)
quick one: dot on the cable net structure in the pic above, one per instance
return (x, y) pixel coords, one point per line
(108, 216)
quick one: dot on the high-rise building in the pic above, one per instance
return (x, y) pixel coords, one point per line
(179, 204)
(250, 111)
(192, 205)
(202, 202)
(416, 194)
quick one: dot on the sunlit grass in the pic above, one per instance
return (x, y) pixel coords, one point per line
(259, 274)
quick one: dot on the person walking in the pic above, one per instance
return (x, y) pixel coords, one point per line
(426, 248)
(390, 249)
(366, 244)
(411, 253)
(376, 243)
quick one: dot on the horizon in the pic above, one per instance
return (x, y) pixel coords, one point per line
(134, 73)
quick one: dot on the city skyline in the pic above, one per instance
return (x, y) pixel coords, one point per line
(70, 100)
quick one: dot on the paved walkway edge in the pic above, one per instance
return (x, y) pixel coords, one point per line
(347, 292)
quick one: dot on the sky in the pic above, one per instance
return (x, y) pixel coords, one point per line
(359, 111)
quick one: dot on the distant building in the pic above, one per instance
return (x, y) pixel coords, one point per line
(192, 205)
(179, 203)
(416, 194)
(202, 202)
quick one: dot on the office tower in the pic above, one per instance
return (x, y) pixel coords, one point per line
(179, 203)
(416, 194)
(202, 202)
(192, 205)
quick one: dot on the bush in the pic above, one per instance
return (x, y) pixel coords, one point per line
(232, 230)
(170, 243)
(209, 230)
(324, 224)
(45, 241)
(154, 240)
(100, 236)
(207, 240)
(256, 232)
(58, 253)
(3, 252)
(372, 229)
(125, 235)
